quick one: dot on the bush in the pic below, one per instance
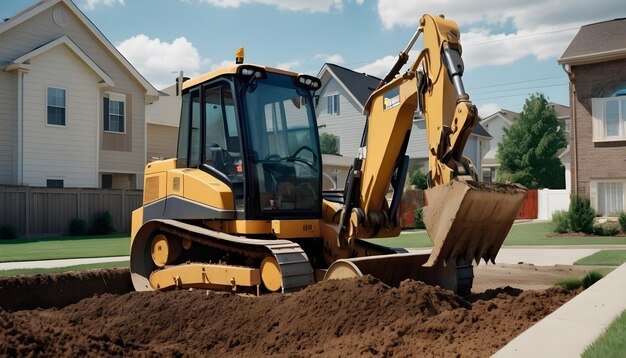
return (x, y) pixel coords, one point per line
(418, 179)
(605, 230)
(8, 232)
(591, 278)
(569, 283)
(419, 219)
(560, 220)
(581, 215)
(78, 227)
(621, 218)
(102, 224)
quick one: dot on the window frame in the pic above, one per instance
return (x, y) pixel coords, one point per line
(333, 104)
(595, 193)
(57, 181)
(64, 106)
(116, 97)
(599, 120)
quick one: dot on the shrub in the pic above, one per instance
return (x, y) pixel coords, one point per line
(621, 218)
(419, 219)
(560, 220)
(605, 230)
(610, 229)
(418, 179)
(581, 215)
(8, 232)
(591, 278)
(78, 227)
(102, 224)
(569, 283)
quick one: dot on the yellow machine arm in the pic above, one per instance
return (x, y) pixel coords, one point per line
(431, 89)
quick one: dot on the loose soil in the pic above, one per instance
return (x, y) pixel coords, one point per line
(359, 317)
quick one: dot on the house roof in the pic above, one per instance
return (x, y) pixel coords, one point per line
(560, 110)
(599, 42)
(64, 40)
(479, 130)
(44, 5)
(359, 85)
(502, 113)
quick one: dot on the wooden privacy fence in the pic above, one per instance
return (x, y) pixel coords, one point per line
(49, 211)
(530, 206)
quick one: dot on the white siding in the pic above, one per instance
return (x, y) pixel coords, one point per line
(495, 127)
(348, 125)
(60, 152)
(8, 126)
(162, 141)
(40, 30)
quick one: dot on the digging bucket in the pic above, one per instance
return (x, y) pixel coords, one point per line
(469, 220)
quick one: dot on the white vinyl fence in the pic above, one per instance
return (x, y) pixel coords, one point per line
(550, 200)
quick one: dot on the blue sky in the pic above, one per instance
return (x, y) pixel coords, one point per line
(510, 47)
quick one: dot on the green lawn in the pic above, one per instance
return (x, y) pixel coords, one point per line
(37, 271)
(611, 343)
(64, 247)
(522, 234)
(604, 258)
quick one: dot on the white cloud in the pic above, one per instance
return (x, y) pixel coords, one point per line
(91, 4)
(336, 59)
(487, 109)
(292, 5)
(159, 61)
(539, 28)
(289, 66)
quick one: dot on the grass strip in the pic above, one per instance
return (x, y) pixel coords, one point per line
(64, 247)
(37, 271)
(604, 258)
(611, 343)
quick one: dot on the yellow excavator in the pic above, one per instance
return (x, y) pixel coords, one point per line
(242, 208)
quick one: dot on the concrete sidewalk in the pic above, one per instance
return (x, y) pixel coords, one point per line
(568, 331)
(59, 263)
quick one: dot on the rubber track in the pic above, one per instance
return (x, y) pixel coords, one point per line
(295, 267)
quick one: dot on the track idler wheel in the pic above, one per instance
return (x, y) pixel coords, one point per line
(270, 274)
(164, 251)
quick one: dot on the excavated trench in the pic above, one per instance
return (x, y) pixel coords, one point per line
(94, 313)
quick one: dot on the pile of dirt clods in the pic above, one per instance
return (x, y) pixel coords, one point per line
(359, 317)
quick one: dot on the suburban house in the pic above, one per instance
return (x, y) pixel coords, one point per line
(72, 108)
(595, 62)
(495, 125)
(162, 120)
(339, 111)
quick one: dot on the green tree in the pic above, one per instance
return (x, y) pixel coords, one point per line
(527, 154)
(418, 179)
(329, 143)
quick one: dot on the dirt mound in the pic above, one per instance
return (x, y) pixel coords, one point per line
(333, 318)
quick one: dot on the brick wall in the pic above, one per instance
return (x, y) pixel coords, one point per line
(594, 160)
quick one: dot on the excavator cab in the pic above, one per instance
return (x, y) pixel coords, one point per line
(255, 131)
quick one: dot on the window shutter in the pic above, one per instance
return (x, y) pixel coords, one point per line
(122, 117)
(106, 114)
(336, 104)
(597, 118)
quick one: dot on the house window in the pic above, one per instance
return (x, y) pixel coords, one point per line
(54, 183)
(114, 113)
(332, 104)
(610, 198)
(56, 106)
(609, 117)
(107, 181)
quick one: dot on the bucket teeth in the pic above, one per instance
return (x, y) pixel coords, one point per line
(470, 219)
